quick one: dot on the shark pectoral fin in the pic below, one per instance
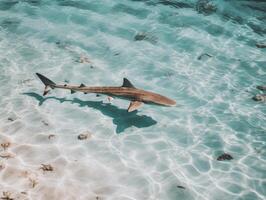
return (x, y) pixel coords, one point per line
(134, 105)
(72, 91)
(109, 98)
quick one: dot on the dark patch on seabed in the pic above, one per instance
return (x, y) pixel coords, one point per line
(224, 156)
(121, 118)
(172, 3)
(8, 4)
(139, 13)
(10, 24)
(82, 5)
(175, 4)
(205, 7)
(261, 8)
(75, 4)
(208, 7)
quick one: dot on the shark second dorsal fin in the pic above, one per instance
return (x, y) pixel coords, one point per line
(134, 105)
(126, 83)
(82, 85)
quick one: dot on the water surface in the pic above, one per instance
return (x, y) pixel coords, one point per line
(201, 53)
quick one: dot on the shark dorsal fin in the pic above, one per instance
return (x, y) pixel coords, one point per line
(126, 83)
(82, 85)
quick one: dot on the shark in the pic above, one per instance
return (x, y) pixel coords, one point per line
(128, 91)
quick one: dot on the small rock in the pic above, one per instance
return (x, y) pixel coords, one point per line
(6, 196)
(62, 45)
(2, 166)
(181, 187)
(261, 87)
(225, 156)
(10, 119)
(146, 36)
(7, 155)
(140, 36)
(51, 136)
(84, 136)
(205, 7)
(204, 55)
(23, 192)
(5, 145)
(33, 182)
(83, 59)
(259, 97)
(45, 167)
(45, 123)
(260, 45)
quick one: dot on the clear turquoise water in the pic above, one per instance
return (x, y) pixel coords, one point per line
(145, 154)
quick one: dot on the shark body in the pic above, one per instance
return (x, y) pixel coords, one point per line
(126, 91)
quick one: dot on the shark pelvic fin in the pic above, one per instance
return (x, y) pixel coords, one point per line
(134, 105)
(72, 91)
(46, 90)
(126, 83)
(82, 85)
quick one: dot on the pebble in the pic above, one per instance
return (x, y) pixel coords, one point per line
(225, 156)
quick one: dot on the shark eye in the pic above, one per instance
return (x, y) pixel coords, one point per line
(65, 85)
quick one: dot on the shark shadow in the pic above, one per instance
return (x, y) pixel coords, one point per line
(121, 118)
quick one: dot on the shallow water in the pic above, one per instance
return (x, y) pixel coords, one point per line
(203, 54)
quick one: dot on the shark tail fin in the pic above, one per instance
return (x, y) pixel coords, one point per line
(47, 82)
